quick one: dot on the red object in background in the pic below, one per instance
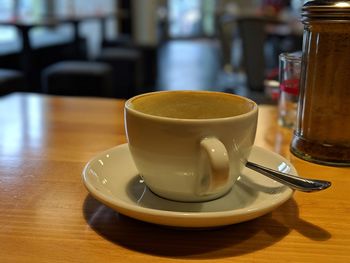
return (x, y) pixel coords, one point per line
(290, 86)
(276, 5)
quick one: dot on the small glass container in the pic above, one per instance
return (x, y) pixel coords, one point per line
(289, 77)
(322, 132)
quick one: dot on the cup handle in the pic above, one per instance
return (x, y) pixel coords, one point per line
(214, 167)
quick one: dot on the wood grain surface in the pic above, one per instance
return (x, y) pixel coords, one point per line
(46, 214)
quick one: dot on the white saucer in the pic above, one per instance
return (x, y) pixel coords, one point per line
(112, 178)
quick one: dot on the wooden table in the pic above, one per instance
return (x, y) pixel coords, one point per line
(46, 214)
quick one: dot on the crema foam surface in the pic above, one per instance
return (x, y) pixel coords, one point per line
(191, 105)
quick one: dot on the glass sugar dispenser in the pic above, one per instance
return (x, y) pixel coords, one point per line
(322, 132)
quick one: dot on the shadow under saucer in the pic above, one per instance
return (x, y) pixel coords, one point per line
(228, 241)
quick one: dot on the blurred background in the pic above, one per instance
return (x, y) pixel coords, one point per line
(120, 48)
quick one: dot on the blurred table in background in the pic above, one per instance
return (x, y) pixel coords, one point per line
(25, 25)
(75, 20)
(48, 216)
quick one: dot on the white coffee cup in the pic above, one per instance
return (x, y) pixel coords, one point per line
(189, 145)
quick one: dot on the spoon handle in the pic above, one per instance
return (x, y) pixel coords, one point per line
(294, 182)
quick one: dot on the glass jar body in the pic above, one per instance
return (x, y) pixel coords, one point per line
(322, 132)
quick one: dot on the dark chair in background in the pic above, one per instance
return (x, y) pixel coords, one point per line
(78, 78)
(127, 72)
(253, 36)
(226, 32)
(11, 81)
(122, 40)
(135, 67)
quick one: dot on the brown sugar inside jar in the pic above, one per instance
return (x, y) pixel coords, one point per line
(322, 133)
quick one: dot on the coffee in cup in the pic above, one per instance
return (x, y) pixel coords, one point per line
(190, 145)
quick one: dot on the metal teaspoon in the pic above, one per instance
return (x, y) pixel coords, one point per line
(294, 182)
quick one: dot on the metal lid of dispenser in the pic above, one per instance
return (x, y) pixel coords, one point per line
(327, 10)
